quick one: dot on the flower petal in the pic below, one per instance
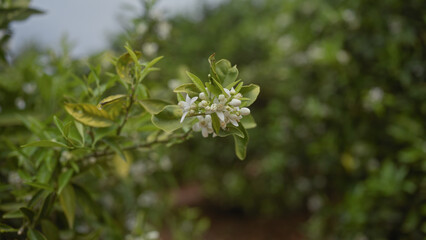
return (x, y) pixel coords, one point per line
(205, 132)
(193, 100)
(183, 116)
(221, 116)
(235, 123)
(196, 127)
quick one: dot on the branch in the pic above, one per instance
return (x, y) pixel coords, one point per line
(132, 100)
(137, 146)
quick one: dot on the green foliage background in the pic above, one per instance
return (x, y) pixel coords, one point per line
(341, 115)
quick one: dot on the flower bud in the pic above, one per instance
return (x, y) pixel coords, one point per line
(202, 96)
(244, 111)
(213, 107)
(238, 95)
(232, 91)
(221, 97)
(235, 103)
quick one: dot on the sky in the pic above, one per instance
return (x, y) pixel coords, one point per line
(86, 23)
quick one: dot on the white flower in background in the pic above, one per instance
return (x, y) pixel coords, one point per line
(29, 88)
(187, 105)
(141, 28)
(204, 125)
(163, 30)
(150, 48)
(20, 103)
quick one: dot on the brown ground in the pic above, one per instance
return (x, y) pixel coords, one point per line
(228, 225)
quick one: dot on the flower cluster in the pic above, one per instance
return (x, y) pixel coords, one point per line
(225, 106)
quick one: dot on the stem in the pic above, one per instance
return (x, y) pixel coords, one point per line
(132, 100)
(142, 145)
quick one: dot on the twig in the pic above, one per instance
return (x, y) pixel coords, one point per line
(142, 145)
(132, 100)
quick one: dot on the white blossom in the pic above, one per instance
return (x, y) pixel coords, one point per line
(204, 125)
(226, 106)
(186, 106)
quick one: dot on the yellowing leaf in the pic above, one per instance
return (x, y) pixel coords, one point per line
(123, 66)
(121, 167)
(111, 100)
(89, 114)
(113, 104)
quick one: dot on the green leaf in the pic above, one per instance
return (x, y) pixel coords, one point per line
(34, 125)
(33, 234)
(28, 213)
(198, 83)
(60, 126)
(40, 185)
(149, 68)
(232, 84)
(169, 118)
(80, 129)
(212, 62)
(231, 130)
(142, 91)
(95, 235)
(239, 86)
(16, 14)
(153, 62)
(49, 229)
(89, 114)
(188, 88)
(241, 143)
(36, 198)
(250, 91)
(86, 201)
(48, 205)
(115, 147)
(132, 54)
(45, 143)
(63, 179)
(180, 97)
(215, 123)
(67, 201)
(213, 89)
(227, 74)
(153, 106)
(218, 85)
(248, 122)
(13, 214)
(123, 66)
(5, 228)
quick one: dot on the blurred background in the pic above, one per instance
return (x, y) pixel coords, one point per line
(339, 151)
